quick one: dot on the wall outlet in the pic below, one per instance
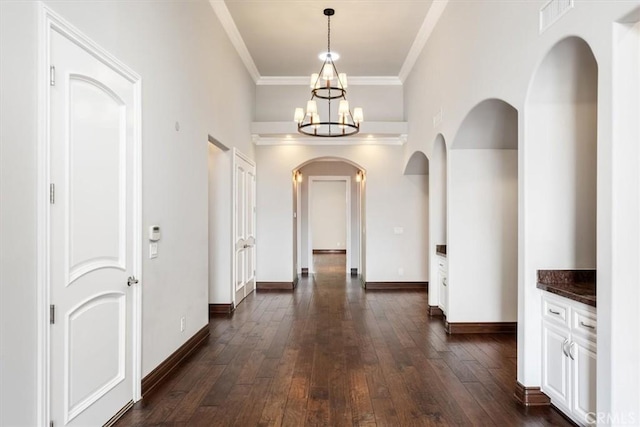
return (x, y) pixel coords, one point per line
(401, 271)
(183, 323)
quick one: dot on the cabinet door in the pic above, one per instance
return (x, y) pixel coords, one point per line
(583, 366)
(442, 279)
(556, 365)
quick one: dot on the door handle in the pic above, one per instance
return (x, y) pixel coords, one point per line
(571, 350)
(131, 281)
(564, 347)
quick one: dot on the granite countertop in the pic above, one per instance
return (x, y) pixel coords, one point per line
(577, 285)
(441, 250)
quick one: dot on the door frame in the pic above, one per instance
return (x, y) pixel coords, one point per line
(234, 183)
(48, 22)
(312, 179)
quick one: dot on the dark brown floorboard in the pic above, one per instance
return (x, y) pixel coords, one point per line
(330, 354)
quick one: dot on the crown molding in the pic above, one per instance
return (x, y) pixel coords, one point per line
(229, 25)
(431, 19)
(429, 24)
(353, 81)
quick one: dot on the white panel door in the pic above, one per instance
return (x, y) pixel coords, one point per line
(91, 165)
(583, 353)
(244, 227)
(555, 365)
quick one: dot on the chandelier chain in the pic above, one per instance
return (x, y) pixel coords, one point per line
(329, 34)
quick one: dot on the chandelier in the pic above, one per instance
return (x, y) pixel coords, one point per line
(329, 85)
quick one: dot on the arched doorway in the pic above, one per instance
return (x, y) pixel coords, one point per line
(322, 177)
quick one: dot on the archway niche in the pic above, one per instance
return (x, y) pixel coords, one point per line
(561, 115)
(417, 172)
(482, 250)
(437, 220)
(561, 118)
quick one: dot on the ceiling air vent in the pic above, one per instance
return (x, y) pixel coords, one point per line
(552, 11)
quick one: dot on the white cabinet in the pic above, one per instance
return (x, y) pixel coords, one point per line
(442, 283)
(569, 356)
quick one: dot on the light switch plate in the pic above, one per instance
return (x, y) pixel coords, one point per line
(398, 230)
(153, 250)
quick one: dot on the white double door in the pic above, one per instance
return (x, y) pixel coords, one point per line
(92, 123)
(244, 226)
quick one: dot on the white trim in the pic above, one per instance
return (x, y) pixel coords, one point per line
(229, 25)
(298, 189)
(352, 140)
(347, 180)
(42, 206)
(304, 81)
(51, 21)
(429, 24)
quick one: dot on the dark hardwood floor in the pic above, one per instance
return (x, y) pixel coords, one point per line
(329, 354)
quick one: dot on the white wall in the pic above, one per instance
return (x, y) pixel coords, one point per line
(220, 234)
(329, 168)
(392, 200)
(561, 129)
(482, 252)
(437, 211)
(500, 63)
(328, 214)
(189, 72)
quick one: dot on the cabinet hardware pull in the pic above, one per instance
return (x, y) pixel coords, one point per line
(586, 326)
(564, 347)
(557, 313)
(571, 348)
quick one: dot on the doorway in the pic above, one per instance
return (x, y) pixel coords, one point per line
(244, 226)
(89, 230)
(306, 177)
(329, 217)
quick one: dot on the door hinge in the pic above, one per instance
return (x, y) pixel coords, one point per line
(52, 314)
(52, 193)
(52, 75)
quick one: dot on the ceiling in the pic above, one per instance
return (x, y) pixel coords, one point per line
(284, 37)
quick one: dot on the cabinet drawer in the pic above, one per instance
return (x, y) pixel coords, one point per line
(555, 311)
(584, 323)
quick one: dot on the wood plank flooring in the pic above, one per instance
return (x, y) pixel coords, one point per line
(331, 354)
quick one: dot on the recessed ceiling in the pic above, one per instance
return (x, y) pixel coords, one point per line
(284, 38)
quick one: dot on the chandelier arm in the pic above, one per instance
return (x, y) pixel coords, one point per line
(348, 130)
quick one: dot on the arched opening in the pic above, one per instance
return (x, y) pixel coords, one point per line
(438, 225)
(561, 116)
(417, 173)
(328, 198)
(482, 250)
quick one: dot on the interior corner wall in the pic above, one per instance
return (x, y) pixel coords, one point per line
(220, 234)
(392, 200)
(482, 251)
(189, 71)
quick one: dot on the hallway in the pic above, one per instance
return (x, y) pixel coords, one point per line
(331, 354)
